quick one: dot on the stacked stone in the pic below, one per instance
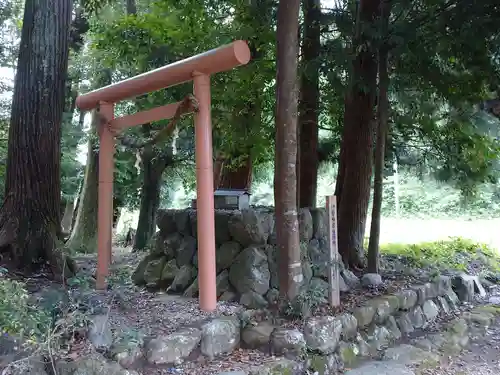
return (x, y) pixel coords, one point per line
(331, 343)
(246, 255)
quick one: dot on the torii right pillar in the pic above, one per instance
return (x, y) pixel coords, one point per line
(205, 193)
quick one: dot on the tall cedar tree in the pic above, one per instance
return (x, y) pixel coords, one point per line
(383, 129)
(30, 215)
(307, 168)
(356, 151)
(285, 181)
(84, 234)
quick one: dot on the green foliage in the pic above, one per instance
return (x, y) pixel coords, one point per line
(424, 197)
(18, 316)
(305, 303)
(455, 253)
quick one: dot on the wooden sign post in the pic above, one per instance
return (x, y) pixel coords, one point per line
(334, 258)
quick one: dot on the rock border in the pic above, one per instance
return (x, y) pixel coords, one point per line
(331, 343)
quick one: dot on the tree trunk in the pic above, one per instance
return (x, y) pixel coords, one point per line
(150, 197)
(285, 187)
(117, 209)
(309, 106)
(383, 128)
(84, 235)
(77, 207)
(67, 216)
(356, 154)
(131, 7)
(239, 178)
(30, 218)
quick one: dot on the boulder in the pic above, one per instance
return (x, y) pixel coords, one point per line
(393, 328)
(183, 278)
(92, 364)
(318, 253)
(171, 244)
(287, 341)
(404, 324)
(170, 270)
(138, 275)
(222, 282)
(222, 218)
(466, 286)
(371, 279)
(153, 271)
(253, 300)
(174, 347)
(378, 338)
(348, 353)
(319, 219)
(463, 286)
(349, 326)
(430, 310)
(185, 251)
(127, 352)
(416, 316)
(364, 315)
(323, 334)
(225, 254)
(250, 271)
(350, 279)
(192, 290)
(410, 355)
(249, 227)
(306, 229)
(165, 220)
(257, 336)
(407, 298)
(272, 263)
(220, 336)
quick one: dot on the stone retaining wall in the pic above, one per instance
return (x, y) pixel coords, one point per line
(246, 255)
(328, 344)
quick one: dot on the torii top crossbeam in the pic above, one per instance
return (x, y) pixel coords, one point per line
(197, 69)
(208, 63)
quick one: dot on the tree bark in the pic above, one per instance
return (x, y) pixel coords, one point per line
(30, 217)
(77, 207)
(285, 187)
(67, 216)
(153, 168)
(383, 129)
(84, 235)
(355, 167)
(238, 178)
(131, 7)
(309, 106)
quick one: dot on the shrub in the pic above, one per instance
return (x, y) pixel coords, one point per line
(454, 253)
(18, 317)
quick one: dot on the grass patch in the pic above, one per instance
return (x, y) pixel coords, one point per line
(455, 253)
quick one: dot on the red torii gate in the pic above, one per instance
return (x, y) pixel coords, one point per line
(197, 69)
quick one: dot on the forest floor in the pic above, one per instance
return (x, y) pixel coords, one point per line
(134, 312)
